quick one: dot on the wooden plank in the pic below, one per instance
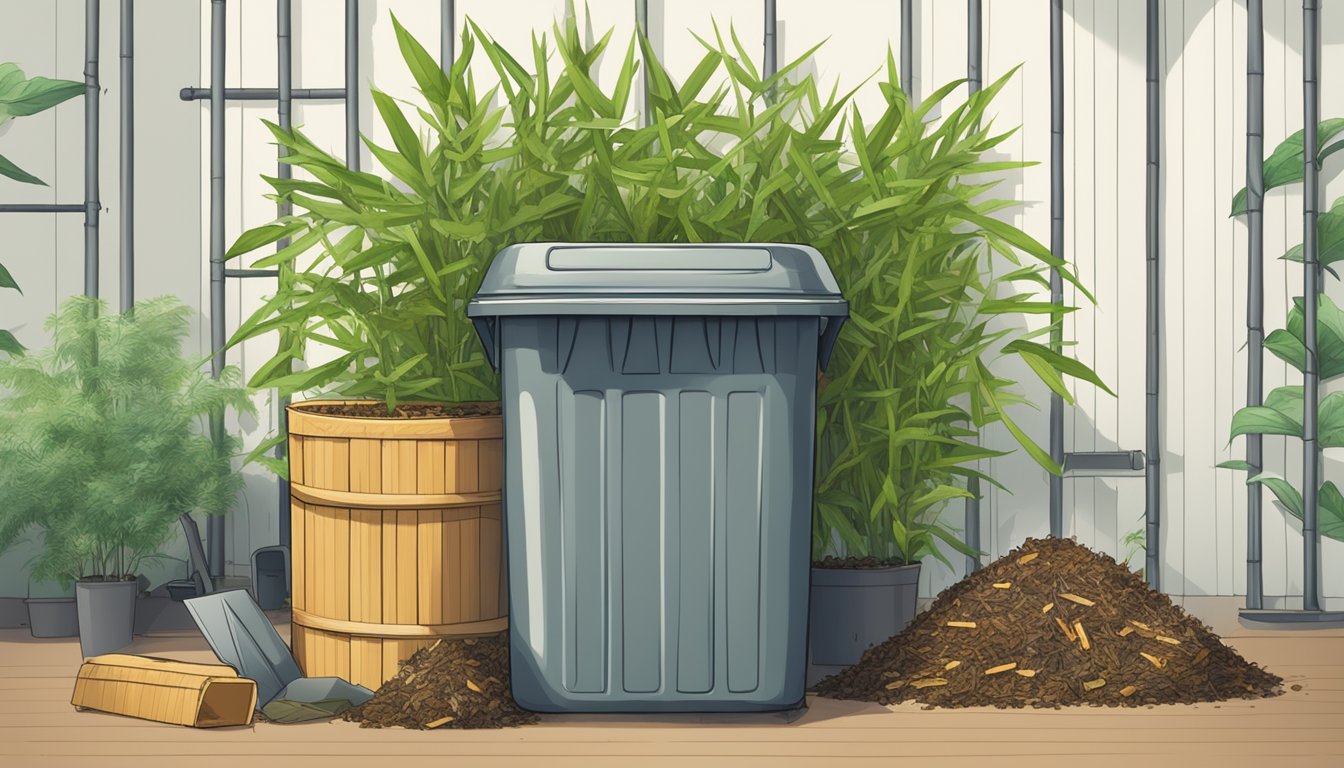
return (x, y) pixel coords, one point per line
(399, 466)
(491, 469)
(340, 645)
(366, 466)
(341, 566)
(407, 552)
(469, 465)
(452, 567)
(389, 565)
(317, 425)
(312, 576)
(429, 589)
(298, 646)
(491, 555)
(298, 554)
(366, 569)
(469, 572)
(296, 452)
(430, 466)
(366, 661)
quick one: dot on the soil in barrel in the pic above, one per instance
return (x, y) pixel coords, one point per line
(1052, 624)
(455, 683)
(375, 409)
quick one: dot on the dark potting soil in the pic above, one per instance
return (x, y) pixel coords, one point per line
(378, 410)
(455, 683)
(1052, 624)
(857, 563)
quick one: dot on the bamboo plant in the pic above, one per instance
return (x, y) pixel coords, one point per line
(20, 97)
(1282, 410)
(384, 267)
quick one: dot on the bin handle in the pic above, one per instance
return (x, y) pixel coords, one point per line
(830, 331)
(486, 328)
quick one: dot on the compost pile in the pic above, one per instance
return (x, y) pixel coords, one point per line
(459, 683)
(1052, 624)
(374, 409)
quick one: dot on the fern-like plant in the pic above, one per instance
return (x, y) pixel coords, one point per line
(103, 442)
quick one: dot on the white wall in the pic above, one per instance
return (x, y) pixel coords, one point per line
(1204, 251)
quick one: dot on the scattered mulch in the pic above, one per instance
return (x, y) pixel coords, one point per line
(858, 563)
(457, 683)
(1052, 624)
(375, 409)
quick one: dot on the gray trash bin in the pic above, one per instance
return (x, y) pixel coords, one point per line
(659, 415)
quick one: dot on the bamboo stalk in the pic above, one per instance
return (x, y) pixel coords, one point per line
(1152, 227)
(974, 45)
(127, 155)
(91, 204)
(907, 47)
(1056, 482)
(1255, 287)
(1311, 285)
(214, 525)
(447, 40)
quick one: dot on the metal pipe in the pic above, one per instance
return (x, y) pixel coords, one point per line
(252, 273)
(907, 47)
(263, 94)
(642, 24)
(42, 208)
(770, 62)
(352, 84)
(215, 523)
(1311, 284)
(1152, 226)
(91, 203)
(127, 159)
(284, 103)
(447, 39)
(1056, 482)
(974, 45)
(1255, 287)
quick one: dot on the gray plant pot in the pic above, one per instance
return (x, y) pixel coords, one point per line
(52, 616)
(852, 610)
(106, 615)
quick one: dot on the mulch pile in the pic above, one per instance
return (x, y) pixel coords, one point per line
(1052, 624)
(451, 684)
(374, 409)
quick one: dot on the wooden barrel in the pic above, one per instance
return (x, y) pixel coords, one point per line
(396, 538)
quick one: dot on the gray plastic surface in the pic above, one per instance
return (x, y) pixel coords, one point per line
(658, 481)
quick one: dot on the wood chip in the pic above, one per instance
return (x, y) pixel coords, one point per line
(1092, 685)
(1126, 631)
(1048, 607)
(1001, 668)
(1003, 585)
(929, 682)
(1139, 624)
(1168, 640)
(1128, 691)
(1023, 560)
(1082, 635)
(473, 686)
(440, 721)
(1027, 672)
(952, 665)
(967, 624)
(436, 644)
(1155, 661)
(894, 684)
(1076, 599)
(1067, 632)
(1202, 655)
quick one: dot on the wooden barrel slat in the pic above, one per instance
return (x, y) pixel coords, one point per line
(396, 538)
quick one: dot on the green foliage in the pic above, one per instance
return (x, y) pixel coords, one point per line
(20, 97)
(1282, 412)
(898, 204)
(101, 442)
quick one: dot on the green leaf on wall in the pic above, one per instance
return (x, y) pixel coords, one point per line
(1330, 234)
(10, 170)
(1285, 165)
(1283, 490)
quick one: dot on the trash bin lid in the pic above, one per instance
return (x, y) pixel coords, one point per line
(658, 279)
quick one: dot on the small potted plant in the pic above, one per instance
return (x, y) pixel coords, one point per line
(102, 448)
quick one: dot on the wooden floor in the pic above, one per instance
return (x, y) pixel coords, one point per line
(39, 728)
